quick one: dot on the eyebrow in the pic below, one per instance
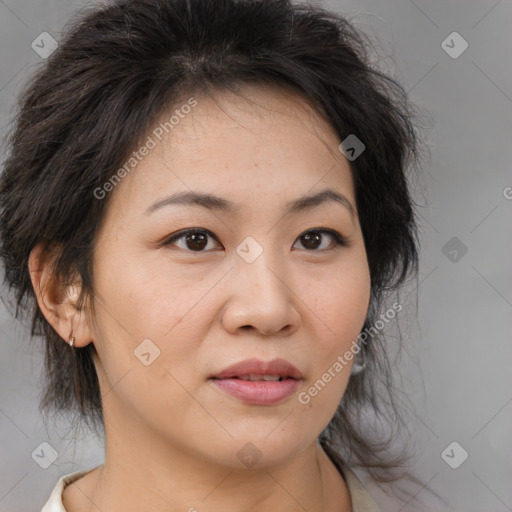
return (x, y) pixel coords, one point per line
(213, 202)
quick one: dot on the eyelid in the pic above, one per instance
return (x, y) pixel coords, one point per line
(189, 231)
(339, 239)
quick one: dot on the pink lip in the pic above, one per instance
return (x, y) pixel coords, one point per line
(275, 367)
(259, 392)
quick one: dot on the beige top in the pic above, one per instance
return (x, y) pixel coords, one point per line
(361, 500)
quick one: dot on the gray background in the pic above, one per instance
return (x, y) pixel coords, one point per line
(458, 358)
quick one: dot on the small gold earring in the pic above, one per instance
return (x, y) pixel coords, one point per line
(71, 339)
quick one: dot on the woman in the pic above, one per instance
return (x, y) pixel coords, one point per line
(205, 204)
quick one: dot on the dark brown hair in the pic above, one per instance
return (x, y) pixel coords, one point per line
(116, 68)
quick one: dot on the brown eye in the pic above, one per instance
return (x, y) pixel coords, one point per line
(311, 240)
(314, 238)
(194, 240)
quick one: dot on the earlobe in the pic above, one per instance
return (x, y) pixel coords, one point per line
(56, 301)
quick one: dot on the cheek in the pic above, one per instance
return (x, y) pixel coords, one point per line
(339, 308)
(144, 375)
(339, 302)
(143, 299)
(146, 314)
(338, 314)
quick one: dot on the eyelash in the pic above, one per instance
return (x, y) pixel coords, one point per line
(339, 239)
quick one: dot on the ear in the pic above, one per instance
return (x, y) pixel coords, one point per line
(56, 301)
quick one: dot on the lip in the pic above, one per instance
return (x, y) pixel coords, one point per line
(280, 367)
(259, 392)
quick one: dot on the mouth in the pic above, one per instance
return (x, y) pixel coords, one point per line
(256, 378)
(258, 383)
(254, 369)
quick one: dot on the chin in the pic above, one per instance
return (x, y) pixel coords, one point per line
(263, 449)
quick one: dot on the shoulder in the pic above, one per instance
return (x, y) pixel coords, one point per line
(361, 499)
(54, 503)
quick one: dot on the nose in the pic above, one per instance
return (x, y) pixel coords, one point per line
(262, 299)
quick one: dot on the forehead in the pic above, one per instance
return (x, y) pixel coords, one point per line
(260, 138)
(274, 116)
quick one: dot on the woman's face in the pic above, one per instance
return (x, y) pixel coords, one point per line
(170, 314)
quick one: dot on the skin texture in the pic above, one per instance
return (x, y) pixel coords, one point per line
(171, 437)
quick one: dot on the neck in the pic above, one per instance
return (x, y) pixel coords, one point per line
(143, 471)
